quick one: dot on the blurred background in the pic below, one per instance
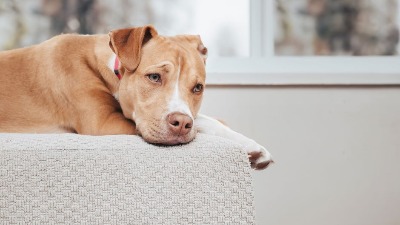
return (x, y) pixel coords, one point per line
(301, 27)
(30, 22)
(337, 27)
(336, 146)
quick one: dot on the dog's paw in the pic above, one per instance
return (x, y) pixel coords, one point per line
(259, 157)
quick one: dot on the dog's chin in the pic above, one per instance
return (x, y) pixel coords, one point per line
(168, 140)
(159, 138)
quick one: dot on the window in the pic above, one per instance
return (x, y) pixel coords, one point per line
(223, 24)
(340, 27)
(274, 60)
(252, 42)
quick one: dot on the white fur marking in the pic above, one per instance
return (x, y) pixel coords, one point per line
(176, 103)
(116, 96)
(133, 116)
(208, 125)
(111, 62)
(110, 66)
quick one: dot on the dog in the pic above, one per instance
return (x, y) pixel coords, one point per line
(131, 81)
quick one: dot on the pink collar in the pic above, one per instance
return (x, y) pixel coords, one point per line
(116, 68)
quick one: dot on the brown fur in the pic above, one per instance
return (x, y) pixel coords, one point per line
(65, 85)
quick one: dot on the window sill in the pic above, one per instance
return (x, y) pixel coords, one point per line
(304, 71)
(301, 79)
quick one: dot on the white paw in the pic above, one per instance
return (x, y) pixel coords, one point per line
(259, 157)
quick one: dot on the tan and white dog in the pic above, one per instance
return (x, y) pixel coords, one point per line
(69, 84)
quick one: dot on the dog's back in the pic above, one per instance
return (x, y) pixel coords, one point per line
(34, 82)
(17, 92)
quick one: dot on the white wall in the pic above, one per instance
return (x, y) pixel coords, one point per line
(337, 151)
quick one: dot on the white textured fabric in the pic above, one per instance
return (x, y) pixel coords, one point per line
(76, 179)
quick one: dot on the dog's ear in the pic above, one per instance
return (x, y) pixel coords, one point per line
(203, 51)
(127, 44)
(195, 41)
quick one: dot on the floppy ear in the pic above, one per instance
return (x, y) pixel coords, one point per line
(127, 44)
(195, 41)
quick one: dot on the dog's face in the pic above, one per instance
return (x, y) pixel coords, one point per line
(162, 84)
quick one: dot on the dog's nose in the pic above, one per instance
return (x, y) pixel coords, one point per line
(179, 123)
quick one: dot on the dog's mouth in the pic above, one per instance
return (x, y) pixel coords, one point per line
(162, 137)
(168, 140)
(173, 141)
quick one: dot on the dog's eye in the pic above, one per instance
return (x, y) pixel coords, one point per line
(198, 88)
(154, 77)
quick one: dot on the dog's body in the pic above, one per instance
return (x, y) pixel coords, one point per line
(68, 84)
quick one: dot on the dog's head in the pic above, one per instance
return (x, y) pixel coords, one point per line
(162, 84)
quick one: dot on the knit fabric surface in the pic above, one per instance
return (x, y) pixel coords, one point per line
(77, 179)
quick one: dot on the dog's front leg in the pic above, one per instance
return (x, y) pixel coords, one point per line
(107, 124)
(259, 157)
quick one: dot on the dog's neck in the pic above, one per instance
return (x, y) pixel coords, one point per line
(115, 65)
(105, 64)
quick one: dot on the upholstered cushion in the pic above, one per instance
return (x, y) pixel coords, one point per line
(69, 178)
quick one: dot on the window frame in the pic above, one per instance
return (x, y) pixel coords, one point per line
(264, 68)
